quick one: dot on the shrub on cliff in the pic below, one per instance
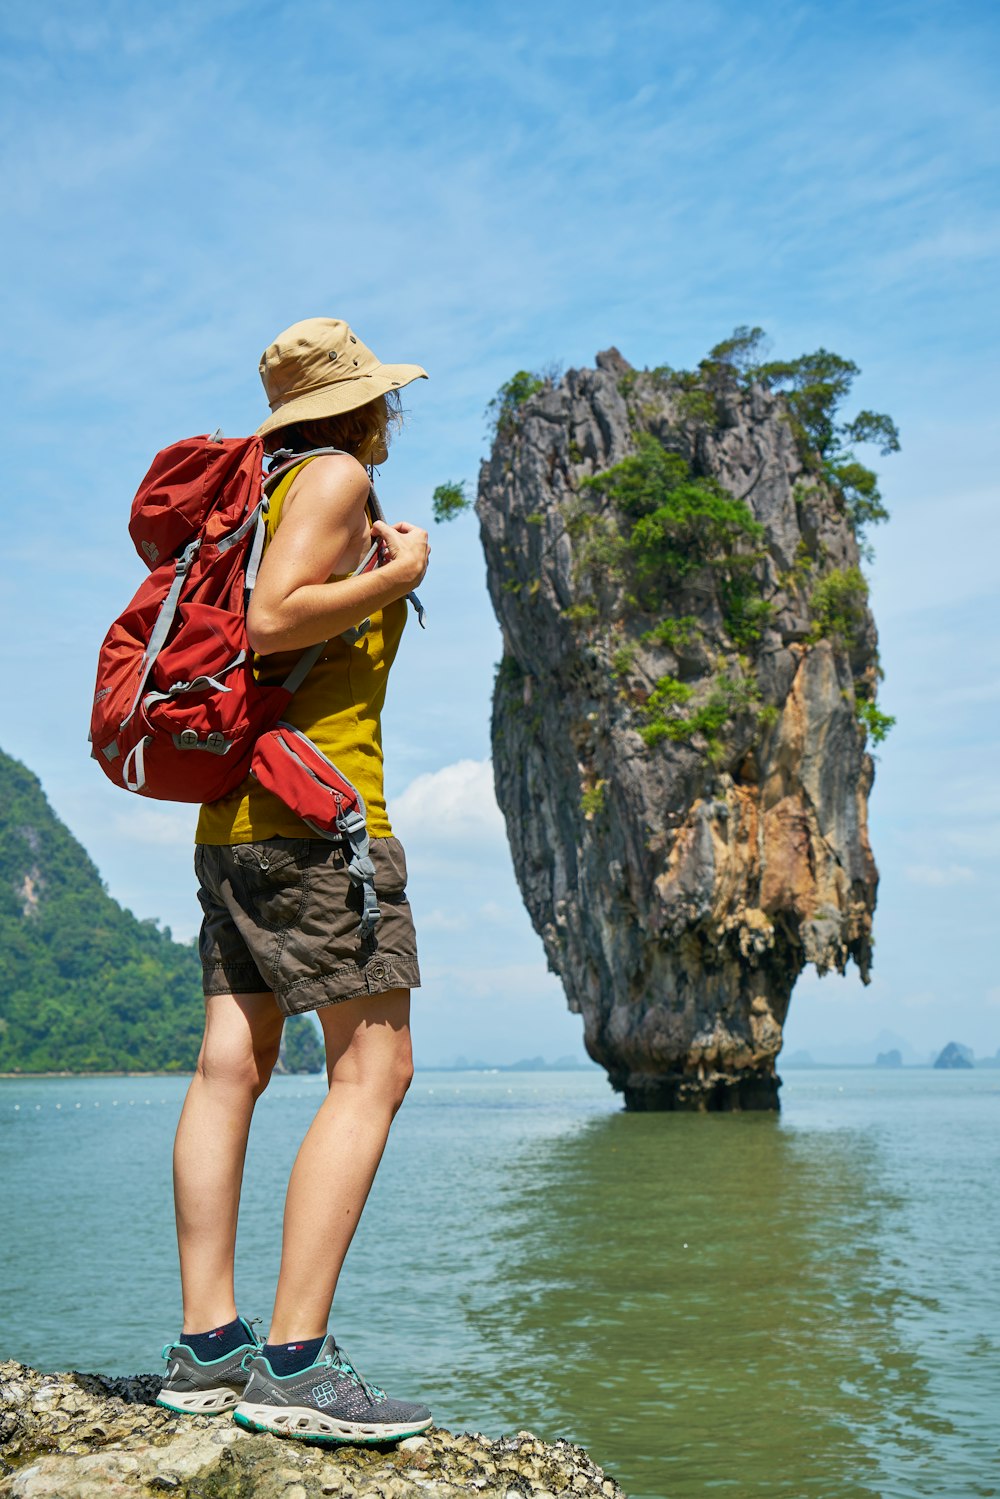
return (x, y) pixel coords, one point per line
(813, 388)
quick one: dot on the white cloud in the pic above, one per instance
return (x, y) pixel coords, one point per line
(984, 840)
(510, 983)
(442, 921)
(172, 826)
(919, 999)
(938, 875)
(454, 804)
(975, 797)
(493, 911)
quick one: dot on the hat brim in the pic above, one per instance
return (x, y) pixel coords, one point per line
(342, 395)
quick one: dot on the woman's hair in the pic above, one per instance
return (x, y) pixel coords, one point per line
(366, 431)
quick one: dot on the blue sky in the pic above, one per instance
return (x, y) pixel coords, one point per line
(482, 189)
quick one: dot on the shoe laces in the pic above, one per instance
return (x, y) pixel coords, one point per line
(339, 1360)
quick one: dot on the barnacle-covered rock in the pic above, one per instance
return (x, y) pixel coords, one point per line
(89, 1436)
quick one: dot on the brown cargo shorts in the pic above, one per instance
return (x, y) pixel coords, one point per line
(283, 915)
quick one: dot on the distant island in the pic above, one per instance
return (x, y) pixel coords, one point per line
(953, 1056)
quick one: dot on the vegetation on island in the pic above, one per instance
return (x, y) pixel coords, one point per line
(503, 411)
(85, 986)
(449, 500)
(676, 525)
(656, 535)
(302, 1048)
(813, 388)
(665, 533)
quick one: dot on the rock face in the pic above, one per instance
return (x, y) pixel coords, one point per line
(679, 884)
(86, 1436)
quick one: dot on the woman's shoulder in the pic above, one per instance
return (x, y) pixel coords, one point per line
(334, 478)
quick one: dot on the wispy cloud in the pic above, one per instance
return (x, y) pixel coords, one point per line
(938, 876)
(172, 826)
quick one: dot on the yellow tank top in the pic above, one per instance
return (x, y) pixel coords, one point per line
(339, 706)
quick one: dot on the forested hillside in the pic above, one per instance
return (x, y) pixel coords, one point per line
(84, 985)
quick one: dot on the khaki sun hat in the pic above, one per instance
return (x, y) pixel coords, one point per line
(320, 368)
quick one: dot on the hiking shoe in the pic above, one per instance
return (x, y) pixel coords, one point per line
(327, 1402)
(194, 1385)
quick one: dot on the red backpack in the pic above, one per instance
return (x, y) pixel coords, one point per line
(178, 714)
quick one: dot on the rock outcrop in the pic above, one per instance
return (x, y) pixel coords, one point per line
(88, 1436)
(683, 772)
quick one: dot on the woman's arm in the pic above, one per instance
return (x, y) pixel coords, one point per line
(323, 531)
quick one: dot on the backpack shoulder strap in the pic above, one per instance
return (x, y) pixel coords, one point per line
(284, 460)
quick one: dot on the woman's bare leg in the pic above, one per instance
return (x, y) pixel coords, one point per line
(369, 1067)
(239, 1049)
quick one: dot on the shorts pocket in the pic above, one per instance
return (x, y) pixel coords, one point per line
(390, 868)
(273, 882)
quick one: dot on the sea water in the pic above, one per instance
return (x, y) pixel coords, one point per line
(795, 1305)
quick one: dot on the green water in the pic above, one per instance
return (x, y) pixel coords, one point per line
(743, 1305)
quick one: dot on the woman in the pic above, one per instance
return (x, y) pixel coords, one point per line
(281, 916)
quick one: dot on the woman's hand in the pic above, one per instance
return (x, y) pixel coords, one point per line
(407, 547)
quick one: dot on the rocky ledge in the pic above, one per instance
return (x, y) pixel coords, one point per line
(89, 1436)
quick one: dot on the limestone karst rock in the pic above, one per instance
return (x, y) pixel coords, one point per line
(683, 772)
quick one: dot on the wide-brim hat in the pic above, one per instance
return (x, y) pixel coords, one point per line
(319, 368)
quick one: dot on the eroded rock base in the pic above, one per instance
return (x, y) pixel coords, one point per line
(86, 1436)
(680, 1093)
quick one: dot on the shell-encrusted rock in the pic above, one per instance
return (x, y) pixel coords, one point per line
(86, 1436)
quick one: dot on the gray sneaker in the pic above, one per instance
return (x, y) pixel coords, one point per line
(193, 1385)
(327, 1402)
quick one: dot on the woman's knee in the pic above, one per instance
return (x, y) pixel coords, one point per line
(378, 1058)
(241, 1055)
(402, 1076)
(249, 1068)
(385, 1072)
